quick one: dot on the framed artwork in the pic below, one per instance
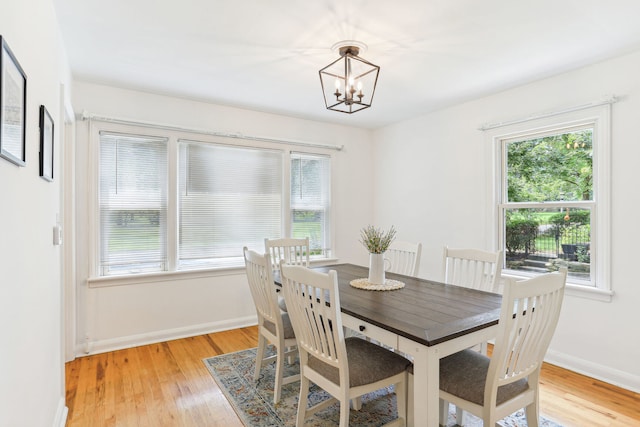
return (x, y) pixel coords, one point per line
(13, 115)
(46, 144)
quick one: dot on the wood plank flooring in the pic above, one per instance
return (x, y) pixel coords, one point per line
(167, 384)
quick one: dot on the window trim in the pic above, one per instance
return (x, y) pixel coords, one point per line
(288, 215)
(600, 118)
(173, 135)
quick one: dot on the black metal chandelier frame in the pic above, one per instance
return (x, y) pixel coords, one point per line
(349, 76)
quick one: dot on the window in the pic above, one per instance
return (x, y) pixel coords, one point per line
(230, 197)
(168, 203)
(553, 198)
(310, 197)
(132, 204)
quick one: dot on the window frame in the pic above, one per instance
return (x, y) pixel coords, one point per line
(598, 117)
(163, 203)
(174, 135)
(327, 251)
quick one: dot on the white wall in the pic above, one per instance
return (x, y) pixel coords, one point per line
(170, 306)
(31, 361)
(434, 174)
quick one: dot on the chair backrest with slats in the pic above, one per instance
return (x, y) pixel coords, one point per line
(404, 258)
(263, 290)
(472, 268)
(292, 251)
(314, 309)
(528, 319)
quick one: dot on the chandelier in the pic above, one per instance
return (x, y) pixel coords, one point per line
(349, 82)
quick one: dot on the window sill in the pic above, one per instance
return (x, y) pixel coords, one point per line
(167, 276)
(161, 276)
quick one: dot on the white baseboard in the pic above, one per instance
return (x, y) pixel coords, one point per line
(61, 414)
(607, 374)
(103, 346)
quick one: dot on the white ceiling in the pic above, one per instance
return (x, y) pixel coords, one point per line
(265, 54)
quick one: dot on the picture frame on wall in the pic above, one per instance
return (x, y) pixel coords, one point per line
(46, 144)
(13, 115)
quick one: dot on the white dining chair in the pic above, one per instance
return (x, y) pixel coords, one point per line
(344, 368)
(290, 250)
(472, 268)
(274, 326)
(404, 258)
(493, 388)
(475, 269)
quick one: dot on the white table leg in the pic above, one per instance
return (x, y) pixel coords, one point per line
(426, 383)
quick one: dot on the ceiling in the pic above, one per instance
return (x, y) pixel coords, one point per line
(265, 55)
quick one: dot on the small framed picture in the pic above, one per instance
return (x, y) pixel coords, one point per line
(46, 144)
(13, 115)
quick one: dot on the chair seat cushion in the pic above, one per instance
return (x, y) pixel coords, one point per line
(464, 375)
(286, 323)
(368, 363)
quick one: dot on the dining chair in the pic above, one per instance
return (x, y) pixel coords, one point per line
(404, 258)
(476, 269)
(472, 268)
(292, 251)
(493, 388)
(345, 368)
(274, 326)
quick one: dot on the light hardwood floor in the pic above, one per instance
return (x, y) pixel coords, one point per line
(167, 384)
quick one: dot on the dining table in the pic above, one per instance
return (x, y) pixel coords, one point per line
(424, 319)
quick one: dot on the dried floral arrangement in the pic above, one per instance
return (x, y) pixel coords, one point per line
(376, 240)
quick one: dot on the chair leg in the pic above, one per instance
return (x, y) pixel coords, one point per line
(291, 358)
(443, 412)
(277, 387)
(303, 401)
(483, 348)
(262, 343)
(356, 403)
(459, 416)
(533, 415)
(344, 411)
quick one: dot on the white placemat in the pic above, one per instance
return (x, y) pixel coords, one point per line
(389, 285)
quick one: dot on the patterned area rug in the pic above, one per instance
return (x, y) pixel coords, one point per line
(253, 401)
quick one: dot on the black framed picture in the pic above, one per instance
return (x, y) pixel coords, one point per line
(46, 144)
(13, 114)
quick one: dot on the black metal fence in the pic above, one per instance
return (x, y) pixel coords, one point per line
(527, 239)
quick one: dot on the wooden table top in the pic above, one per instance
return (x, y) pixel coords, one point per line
(423, 311)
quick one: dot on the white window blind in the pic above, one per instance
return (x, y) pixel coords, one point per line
(132, 203)
(229, 197)
(310, 200)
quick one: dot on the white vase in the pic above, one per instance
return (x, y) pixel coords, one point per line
(377, 268)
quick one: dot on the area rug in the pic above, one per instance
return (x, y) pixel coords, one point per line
(253, 400)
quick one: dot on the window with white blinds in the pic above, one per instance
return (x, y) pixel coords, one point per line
(167, 202)
(310, 200)
(229, 197)
(132, 203)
